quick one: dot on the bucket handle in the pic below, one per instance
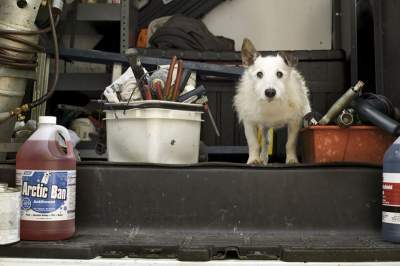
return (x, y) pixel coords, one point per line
(65, 135)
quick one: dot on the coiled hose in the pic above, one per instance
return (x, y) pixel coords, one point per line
(8, 59)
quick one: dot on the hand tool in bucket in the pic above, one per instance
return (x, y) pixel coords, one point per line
(138, 72)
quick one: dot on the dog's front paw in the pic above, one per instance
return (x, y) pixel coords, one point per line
(264, 160)
(264, 157)
(291, 160)
(254, 161)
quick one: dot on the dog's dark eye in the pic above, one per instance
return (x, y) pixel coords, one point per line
(279, 74)
(260, 75)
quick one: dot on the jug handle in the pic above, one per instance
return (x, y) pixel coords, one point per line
(65, 134)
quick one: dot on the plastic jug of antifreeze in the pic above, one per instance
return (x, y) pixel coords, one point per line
(46, 175)
(391, 194)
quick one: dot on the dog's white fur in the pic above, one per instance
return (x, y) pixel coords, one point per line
(255, 109)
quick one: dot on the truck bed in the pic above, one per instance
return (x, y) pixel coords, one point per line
(214, 211)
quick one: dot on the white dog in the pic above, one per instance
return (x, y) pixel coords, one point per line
(271, 93)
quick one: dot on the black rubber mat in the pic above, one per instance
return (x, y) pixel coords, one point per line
(202, 246)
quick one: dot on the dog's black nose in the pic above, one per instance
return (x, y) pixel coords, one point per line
(270, 92)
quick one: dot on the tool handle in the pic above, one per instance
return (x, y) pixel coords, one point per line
(213, 123)
(178, 80)
(185, 79)
(134, 63)
(367, 112)
(158, 88)
(137, 69)
(147, 92)
(141, 90)
(200, 90)
(169, 77)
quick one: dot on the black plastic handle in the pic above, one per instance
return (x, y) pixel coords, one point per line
(367, 112)
(199, 91)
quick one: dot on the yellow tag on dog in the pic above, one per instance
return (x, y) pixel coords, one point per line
(270, 138)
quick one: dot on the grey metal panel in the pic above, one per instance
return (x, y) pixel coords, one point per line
(98, 12)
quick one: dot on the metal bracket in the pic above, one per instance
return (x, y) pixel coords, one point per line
(125, 25)
(100, 57)
(124, 35)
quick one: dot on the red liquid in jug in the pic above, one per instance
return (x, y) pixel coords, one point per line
(47, 155)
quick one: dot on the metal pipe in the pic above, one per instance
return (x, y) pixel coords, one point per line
(342, 103)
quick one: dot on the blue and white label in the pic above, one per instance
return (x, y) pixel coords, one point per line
(47, 195)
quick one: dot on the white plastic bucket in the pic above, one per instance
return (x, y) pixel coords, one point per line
(153, 135)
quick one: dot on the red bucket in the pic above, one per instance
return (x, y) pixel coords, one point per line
(365, 144)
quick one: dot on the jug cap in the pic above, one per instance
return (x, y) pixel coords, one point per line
(47, 120)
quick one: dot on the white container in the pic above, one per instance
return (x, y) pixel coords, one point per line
(154, 134)
(10, 204)
(83, 127)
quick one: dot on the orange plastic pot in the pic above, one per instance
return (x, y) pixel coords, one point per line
(365, 144)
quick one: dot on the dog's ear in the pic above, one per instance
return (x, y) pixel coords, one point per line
(290, 59)
(249, 53)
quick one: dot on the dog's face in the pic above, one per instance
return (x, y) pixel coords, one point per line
(267, 75)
